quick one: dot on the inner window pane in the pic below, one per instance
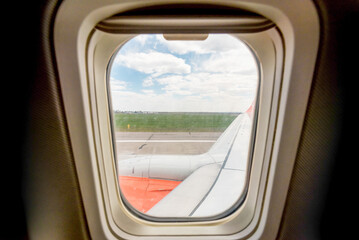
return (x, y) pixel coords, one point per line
(183, 114)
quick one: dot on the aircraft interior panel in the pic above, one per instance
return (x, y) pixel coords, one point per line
(296, 182)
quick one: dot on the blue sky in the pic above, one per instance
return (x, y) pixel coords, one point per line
(150, 73)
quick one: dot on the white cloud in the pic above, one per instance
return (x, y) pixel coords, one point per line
(155, 63)
(214, 43)
(224, 80)
(233, 61)
(147, 82)
(170, 80)
(209, 84)
(148, 92)
(142, 38)
(117, 85)
(131, 101)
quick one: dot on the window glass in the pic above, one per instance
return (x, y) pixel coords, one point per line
(182, 112)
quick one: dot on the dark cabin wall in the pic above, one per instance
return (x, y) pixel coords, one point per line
(42, 199)
(321, 194)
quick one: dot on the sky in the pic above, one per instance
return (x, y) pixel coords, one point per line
(149, 73)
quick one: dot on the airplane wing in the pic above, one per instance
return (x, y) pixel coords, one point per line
(190, 185)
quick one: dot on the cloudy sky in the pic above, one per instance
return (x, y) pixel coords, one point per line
(150, 73)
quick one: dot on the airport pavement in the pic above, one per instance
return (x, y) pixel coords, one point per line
(129, 144)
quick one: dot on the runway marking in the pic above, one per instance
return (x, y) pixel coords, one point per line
(164, 141)
(142, 146)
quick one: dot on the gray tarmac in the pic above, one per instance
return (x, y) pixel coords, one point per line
(129, 144)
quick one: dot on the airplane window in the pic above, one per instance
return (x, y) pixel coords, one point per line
(182, 116)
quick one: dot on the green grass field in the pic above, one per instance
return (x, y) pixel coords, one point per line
(172, 122)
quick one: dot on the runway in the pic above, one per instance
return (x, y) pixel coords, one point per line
(129, 144)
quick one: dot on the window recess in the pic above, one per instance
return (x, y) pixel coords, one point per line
(113, 35)
(186, 18)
